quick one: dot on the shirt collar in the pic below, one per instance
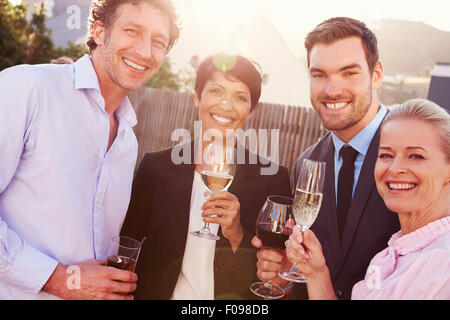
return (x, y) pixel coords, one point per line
(361, 141)
(85, 75)
(420, 238)
(86, 78)
(126, 112)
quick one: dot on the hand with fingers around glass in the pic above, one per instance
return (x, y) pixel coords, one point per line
(305, 249)
(271, 260)
(223, 208)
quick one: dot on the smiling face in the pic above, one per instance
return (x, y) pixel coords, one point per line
(342, 88)
(412, 174)
(131, 51)
(224, 103)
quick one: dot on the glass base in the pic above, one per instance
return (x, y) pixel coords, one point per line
(205, 234)
(292, 276)
(267, 291)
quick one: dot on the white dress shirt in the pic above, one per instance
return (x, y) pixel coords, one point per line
(63, 196)
(196, 279)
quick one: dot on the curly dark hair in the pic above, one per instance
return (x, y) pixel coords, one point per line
(105, 11)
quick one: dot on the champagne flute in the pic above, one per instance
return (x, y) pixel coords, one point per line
(307, 202)
(272, 231)
(218, 170)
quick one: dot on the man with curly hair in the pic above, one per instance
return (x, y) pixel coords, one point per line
(69, 153)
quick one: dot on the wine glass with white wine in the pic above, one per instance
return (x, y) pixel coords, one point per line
(307, 201)
(218, 170)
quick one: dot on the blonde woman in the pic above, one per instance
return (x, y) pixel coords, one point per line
(412, 175)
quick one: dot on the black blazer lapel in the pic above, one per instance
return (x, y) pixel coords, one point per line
(181, 179)
(365, 184)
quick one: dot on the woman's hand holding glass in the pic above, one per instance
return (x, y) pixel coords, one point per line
(223, 208)
(305, 249)
(217, 172)
(308, 199)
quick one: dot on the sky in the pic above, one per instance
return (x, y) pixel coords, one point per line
(294, 18)
(285, 12)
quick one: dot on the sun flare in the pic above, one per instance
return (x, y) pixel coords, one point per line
(227, 22)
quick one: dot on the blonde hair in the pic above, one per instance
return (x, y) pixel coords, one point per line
(428, 112)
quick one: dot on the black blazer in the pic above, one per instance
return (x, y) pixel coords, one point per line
(159, 210)
(369, 223)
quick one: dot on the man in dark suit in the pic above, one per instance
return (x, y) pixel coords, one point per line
(353, 223)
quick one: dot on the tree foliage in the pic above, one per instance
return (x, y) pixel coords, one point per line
(165, 78)
(23, 41)
(73, 50)
(13, 34)
(40, 44)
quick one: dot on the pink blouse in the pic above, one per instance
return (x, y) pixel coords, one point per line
(413, 266)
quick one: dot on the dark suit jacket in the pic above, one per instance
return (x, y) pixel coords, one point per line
(159, 210)
(368, 227)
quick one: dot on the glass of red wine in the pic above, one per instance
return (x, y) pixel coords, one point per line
(271, 229)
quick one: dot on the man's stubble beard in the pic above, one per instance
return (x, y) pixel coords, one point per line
(114, 75)
(359, 110)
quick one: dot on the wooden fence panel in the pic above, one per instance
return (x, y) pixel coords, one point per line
(160, 112)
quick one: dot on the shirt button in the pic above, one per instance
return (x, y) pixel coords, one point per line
(339, 293)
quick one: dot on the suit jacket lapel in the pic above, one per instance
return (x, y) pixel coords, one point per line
(329, 203)
(363, 189)
(180, 182)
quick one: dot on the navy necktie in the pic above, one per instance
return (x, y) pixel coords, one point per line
(345, 185)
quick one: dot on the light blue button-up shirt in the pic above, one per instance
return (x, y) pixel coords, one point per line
(63, 196)
(360, 143)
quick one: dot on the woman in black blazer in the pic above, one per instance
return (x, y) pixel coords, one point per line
(227, 90)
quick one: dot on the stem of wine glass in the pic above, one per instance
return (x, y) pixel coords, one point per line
(294, 268)
(206, 224)
(268, 285)
(206, 227)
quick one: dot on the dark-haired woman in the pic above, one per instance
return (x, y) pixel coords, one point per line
(169, 201)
